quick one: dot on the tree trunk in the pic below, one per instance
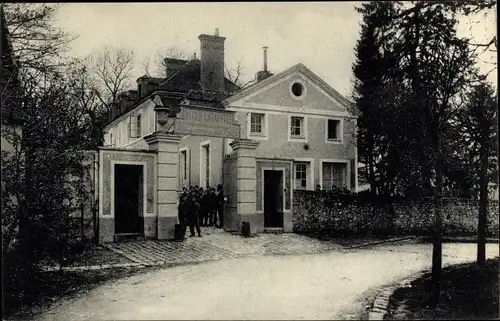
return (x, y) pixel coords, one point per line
(483, 203)
(437, 247)
(371, 165)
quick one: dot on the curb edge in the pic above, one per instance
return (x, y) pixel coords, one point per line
(380, 305)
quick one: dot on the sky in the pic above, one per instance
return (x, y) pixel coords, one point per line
(321, 35)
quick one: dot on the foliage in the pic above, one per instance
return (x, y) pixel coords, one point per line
(411, 71)
(40, 185)
(39, 47)
(111, 72)
(470, 292)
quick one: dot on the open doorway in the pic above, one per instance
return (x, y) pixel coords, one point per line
(129, 198)
(273, 198)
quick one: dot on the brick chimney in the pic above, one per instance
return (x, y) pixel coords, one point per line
(114, 111)
(212, 62)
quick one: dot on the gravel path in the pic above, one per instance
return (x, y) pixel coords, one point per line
(320, 286)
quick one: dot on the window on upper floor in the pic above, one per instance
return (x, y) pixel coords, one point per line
(297, 127)
(333, 130)
(135, 126)
(256, 123)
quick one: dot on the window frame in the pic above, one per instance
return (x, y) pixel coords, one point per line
(205, 159)
(303, 172)
(303, 127)
(184, 163)
(304, 88)
(346, 177)
(207, 165)
(264, 126)
(134, 120)
(340, 131)
(261, 125)
(293, 126)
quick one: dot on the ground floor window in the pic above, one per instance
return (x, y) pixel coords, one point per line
(183, 164)
(334, 174)
(205, 166)
(300, 175)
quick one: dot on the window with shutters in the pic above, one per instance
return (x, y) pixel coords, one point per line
(135, 126)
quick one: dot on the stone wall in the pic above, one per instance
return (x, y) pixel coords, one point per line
(323, 212)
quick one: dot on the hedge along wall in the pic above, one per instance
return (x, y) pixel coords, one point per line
(346, 214)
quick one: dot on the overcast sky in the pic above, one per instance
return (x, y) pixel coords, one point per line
(320, 35)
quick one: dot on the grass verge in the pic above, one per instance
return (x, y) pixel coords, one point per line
(51, 287)
(468, 292)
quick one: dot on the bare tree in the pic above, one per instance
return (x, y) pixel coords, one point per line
(171, 52)
(145, 64)
(111, 70)
(236, 74)
(38, 45)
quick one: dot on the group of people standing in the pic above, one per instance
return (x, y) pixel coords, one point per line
(199, 207)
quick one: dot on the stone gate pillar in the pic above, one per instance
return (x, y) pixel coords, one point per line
(245, 170)
(167, 147)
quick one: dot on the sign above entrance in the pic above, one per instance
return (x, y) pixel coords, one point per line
(206, 122)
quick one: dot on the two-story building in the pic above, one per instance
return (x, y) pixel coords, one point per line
(302, 128)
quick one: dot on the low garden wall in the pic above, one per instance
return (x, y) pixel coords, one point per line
(350, 214)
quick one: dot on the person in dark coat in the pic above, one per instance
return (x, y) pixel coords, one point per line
(181, 214)
(193, 211)
(220, 205)
(203, 200)
(212, 206)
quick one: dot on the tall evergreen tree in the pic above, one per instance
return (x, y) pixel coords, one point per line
(373, 94)
(478, 124)
(429, 67)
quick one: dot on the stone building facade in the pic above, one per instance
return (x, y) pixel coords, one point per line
(286, 131)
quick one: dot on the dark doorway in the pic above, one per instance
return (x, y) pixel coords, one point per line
(273, 198)
(129, 199)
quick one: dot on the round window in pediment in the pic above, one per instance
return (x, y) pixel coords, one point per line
(297, 90)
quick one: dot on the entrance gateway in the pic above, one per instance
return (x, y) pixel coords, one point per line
(138, 188)
(129, 220)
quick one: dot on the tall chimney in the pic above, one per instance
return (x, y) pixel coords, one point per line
(263, 74)
(265, 58)
(212, 62)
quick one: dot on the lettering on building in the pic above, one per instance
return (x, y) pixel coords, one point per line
(207, 116)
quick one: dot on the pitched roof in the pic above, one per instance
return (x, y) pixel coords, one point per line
(300, 68)
(187, 78)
